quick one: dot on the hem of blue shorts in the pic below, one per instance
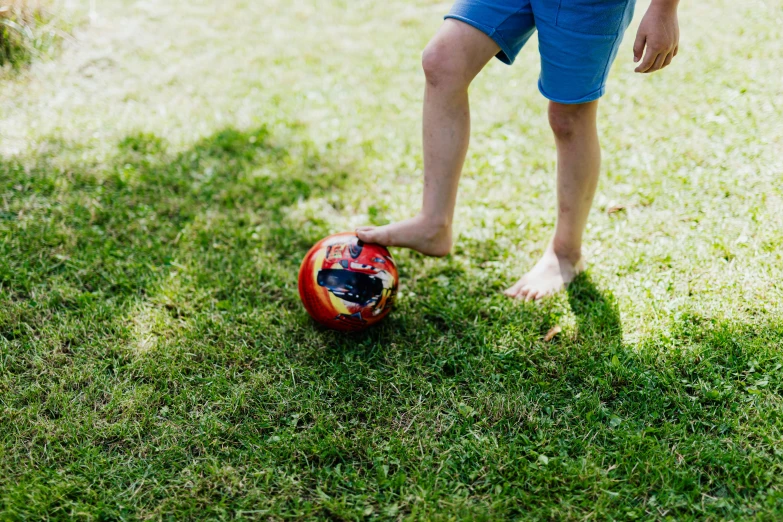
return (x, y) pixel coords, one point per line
(507, 56)
(584, 99)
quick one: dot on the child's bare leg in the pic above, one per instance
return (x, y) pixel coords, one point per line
(451, 60)
(578, 164)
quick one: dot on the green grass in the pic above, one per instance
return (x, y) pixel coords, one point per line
(161, 181)
(31, 30)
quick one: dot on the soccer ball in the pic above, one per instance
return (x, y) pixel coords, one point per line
(346, 284)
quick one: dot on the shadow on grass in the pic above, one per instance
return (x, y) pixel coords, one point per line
(677, 418)
(150, 322)
(597, 313)
(82, 232)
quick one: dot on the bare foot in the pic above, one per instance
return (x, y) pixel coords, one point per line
(551, 274)
(418, 233)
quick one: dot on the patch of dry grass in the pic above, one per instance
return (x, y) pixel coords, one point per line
(29, 29)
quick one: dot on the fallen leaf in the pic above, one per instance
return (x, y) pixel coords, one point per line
(615, 209)
(465, 410)
(552, 332)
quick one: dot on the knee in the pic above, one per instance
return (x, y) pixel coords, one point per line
(567, 120)
(562, 122)
(444, 68)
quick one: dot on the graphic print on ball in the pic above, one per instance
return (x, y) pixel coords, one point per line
(346, 284)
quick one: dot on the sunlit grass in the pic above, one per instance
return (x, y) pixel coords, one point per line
(161, 180)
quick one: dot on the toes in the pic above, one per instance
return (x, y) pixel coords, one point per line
(542, 294)
(367, 234)
(532, 295)
(513, 290)
(522, 294)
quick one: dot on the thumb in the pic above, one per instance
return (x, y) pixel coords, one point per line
(638, 46)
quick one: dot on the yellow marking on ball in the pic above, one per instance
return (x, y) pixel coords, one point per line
(336, 301)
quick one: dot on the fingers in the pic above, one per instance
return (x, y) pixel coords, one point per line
(656, 60)
(658, 64)
(648, 61)
(638, 46)
(657, 54)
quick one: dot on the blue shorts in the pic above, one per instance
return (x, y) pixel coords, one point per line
(577, 39)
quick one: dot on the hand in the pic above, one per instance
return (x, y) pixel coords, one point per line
(659, 32)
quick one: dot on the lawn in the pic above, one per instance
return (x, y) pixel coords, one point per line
(163, 176)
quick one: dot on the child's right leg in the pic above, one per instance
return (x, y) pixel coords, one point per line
(451, 60)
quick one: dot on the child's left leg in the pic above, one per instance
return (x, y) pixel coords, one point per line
(578, 42)
(578, 164)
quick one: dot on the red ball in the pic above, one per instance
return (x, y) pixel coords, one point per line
(346, 284)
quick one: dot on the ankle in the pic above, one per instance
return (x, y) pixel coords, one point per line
(570, 253)
(435, 222)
